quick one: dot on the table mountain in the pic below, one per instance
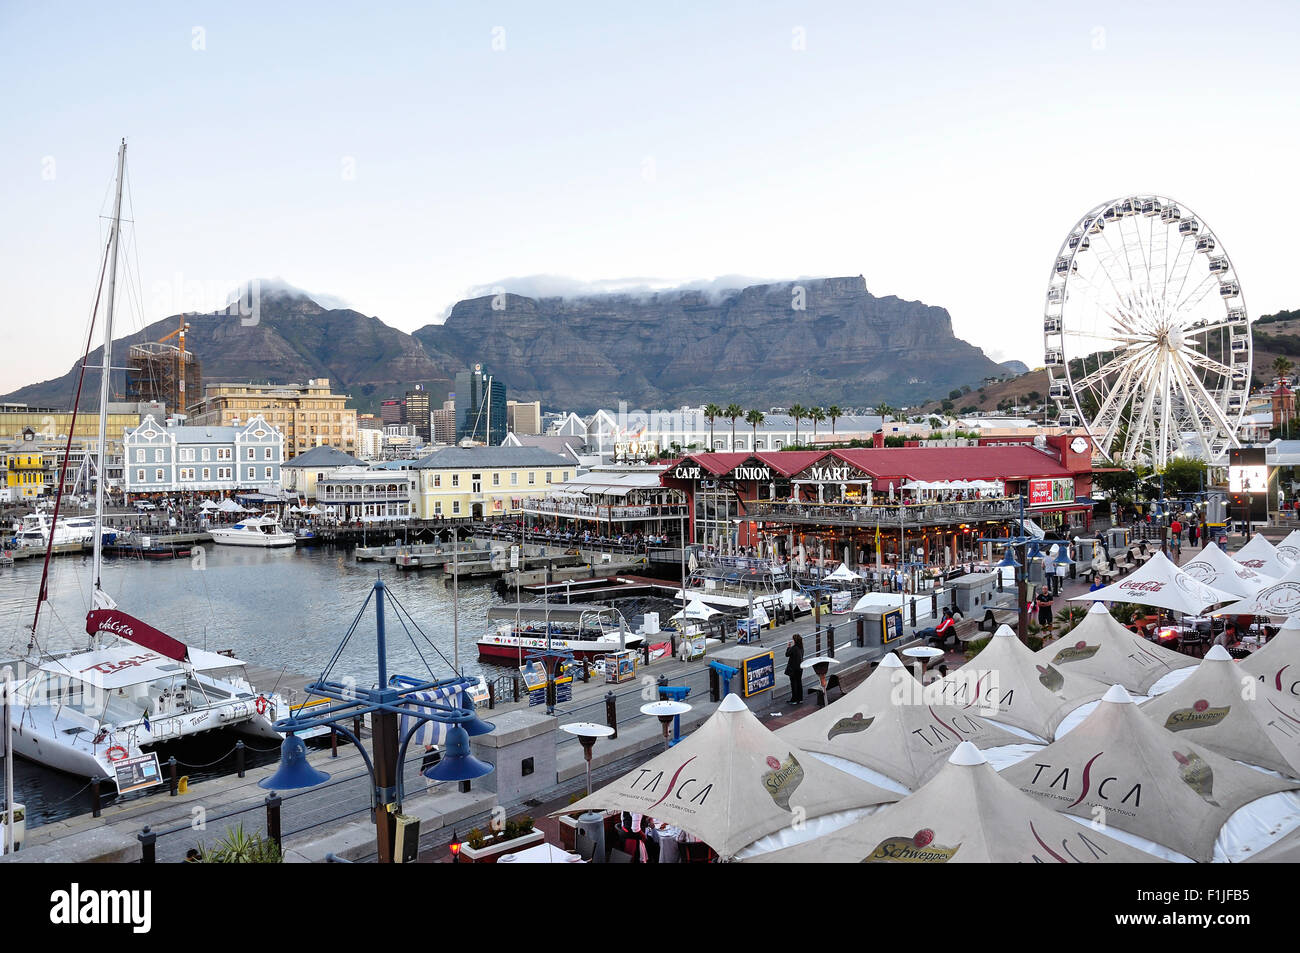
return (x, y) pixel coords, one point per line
(753, 346)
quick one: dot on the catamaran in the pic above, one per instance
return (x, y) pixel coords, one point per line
(136, 686)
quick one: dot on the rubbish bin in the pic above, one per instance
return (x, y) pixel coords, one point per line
(590, 839)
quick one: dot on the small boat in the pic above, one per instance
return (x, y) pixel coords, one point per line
(262, 531)
(35, 531)
(586, 631)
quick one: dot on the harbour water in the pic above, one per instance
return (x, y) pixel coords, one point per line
(283, 609)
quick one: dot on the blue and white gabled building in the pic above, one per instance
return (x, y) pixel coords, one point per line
(174, 458)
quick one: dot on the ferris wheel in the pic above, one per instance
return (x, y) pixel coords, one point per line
(1147, 341)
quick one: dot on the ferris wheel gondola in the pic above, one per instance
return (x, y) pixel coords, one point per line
(1146, 336)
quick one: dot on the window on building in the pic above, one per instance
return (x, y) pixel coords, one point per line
(532, 478)
(207, 473)
(268, 473)
(455, 479)
(514, 479)
(223, 453)
(207, 454)
(455, 507)
(158, 475)
(496, 479)
(251, 471)
(139, 476)
(157, 456)
(549, 475)
(250, 453)
(266, 453)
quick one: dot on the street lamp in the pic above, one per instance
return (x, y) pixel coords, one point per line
(587, 733)
(421, 701)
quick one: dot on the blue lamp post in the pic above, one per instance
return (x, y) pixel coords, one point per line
(420, 700)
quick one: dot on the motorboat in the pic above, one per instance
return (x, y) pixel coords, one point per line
(262, 531)
(35, 531)
(585, 630)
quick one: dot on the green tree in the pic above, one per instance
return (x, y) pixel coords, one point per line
(711, 413)
(798, 412)
(754, 418)
(1281, 366)
(733, 413)
(1183, 475)
(883, 410)
(816, 415)
(834, 413)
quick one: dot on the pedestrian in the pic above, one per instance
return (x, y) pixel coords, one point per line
(794, 668)
(1060, 575)
(1045, 610)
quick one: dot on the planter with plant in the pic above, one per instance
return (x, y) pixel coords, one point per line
(482, 847)
(238, 847)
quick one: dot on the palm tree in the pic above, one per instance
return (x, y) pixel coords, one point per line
(1281, 366)
(754, 418)
(884, 410)
(711, 412)
(816, 415)
(834, 412)
(798, 412)
(733, 412)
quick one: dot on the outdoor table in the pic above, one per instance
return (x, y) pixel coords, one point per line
(925, 653)
(667, 839)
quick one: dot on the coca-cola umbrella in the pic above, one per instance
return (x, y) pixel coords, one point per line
(966, 813)
(1120, 768)
(1217, 569)
(1259, 554)
(732, 781)
(1223, 708)
(1161, 584)
(1281, 600)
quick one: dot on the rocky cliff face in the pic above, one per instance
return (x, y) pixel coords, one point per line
(817, 342)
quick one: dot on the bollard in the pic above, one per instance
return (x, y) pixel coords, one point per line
(912, 607)
(715, 685)
(586, 670)
(239, 758)
(862, 633)
(273, 819)
(662, 683)
(817, 642)
(94, 797)
(171, 775)
(147, 839)
(934, 604)
(356, 728)
(830, 641)
(492, 694)
(672, 641)
(611, 713)
(514, 687)
(645, 651)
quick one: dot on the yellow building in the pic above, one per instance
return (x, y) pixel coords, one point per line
(309, 415)
(482, 482)
(25, 469)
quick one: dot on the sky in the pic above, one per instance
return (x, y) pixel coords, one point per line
(393, 157)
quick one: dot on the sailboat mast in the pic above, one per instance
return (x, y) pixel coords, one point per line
(105, 379)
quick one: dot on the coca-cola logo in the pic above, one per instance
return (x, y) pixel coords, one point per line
(1133, 586)
(116, 626)
(1252, 563)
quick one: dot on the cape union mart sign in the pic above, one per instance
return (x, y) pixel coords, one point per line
(756, 474)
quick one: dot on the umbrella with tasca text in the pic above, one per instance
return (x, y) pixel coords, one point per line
(1008, 685)
(966, 813)
(1121, 769)
(1277, 664)
(1224, 708)
(892, 725)
(1102, 649)
(732, 781)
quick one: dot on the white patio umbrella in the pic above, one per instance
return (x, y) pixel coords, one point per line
(1277, 664)
(1215, 568)
(1259, 555)
(1163, 585)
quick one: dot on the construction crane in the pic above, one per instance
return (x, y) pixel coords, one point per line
(180, 365)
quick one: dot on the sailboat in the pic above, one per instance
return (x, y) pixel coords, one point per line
(135, 687)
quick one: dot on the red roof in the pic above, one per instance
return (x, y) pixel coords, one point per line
(790, 462)
(956, 463)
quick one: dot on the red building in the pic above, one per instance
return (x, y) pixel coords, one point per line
(841, 499)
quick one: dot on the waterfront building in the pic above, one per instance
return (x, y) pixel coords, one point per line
(366, 494)
(172, 458)
(839, 500)
(303, 472)
(24, 469)
(480, 407)
(309, 415)
(612, 501)
(481, 482)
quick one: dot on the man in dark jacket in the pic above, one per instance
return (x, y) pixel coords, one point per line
(794, 668)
